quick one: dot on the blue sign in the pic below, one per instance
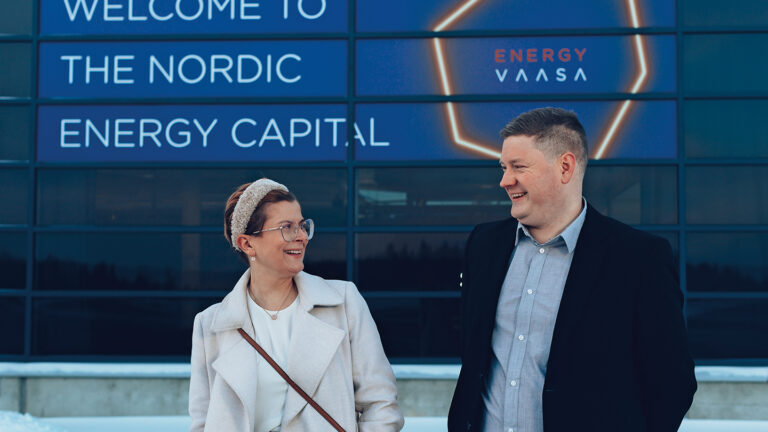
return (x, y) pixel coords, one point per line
(441, 15)
(102, 17)
(193, 69)
(525, 65)
(197, 133)
(470, 130)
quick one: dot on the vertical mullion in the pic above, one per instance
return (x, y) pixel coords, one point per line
(681, 172)
(351, 188)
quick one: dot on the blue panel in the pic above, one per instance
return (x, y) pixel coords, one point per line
(84, 17)
(190, 69)
(423, 131)
(198, 133)
(426, 15)
(526, 65)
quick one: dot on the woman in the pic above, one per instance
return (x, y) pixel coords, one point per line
(319, 331)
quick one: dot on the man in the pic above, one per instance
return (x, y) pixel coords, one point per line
(572, 321)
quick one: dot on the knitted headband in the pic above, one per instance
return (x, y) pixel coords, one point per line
(246, 204)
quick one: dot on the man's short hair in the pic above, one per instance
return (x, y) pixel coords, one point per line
(555, 132)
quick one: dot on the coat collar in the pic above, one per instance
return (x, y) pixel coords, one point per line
(233, 310)
(313, 344)
(585, 268)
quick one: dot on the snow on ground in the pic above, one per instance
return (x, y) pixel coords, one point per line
(15, 422)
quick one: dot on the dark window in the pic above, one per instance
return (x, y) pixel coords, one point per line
(158, 261)
(430, 196)
(726, 128)
(13, 194)
(722, 63)
(16, 59)
(410, 261)
(728, 328)
(417, 328)
(175, 196)
(115, 326)
(633, 194)
(13, 260)
(727, 194)
(14, 132)
(16, 17)
(11, 325)
(733, 13)
(727, 262)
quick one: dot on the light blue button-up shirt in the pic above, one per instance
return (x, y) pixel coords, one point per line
(525, 322)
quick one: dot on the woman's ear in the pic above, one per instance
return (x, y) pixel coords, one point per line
(244, 243)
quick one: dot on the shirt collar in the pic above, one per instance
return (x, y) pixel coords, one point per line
(569, 235)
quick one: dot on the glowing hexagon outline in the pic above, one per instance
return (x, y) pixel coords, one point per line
(450, 111)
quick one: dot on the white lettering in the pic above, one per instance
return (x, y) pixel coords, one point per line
(205, 132)
(131, 16)
(374, 143)
(335, 122)
(521, 73)
(197, 14)
(119, 132)
(294, 134)
(89, 126)
(234, 133)
(308, 16)
(560, 74)
(72, 13)
(167, 73)
(580, 71)
(244, 4)
(151, 134)
(502, 76)
(183, 133)
(542, 74)
(224, 71)
(279, 69)
(200, 61)
(240, 78)
(220, 7)
(71, 59)
(65, 133)
(103, 70)
(272, 124)
(155, 15)
(116, 69)
(107, 7)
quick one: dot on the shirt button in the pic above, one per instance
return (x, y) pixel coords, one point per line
(513, 383)
(521, 337)
(542, 250)
(530, 291)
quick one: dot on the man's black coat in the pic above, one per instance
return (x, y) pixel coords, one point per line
(618, 360)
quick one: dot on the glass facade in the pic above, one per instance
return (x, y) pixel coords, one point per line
(125, 236)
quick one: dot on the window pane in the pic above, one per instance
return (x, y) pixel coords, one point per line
(111, 326)
(13, 260)
(11, 325)
(13, 194)
(417, 327)
(724, 63)
(158, 261)
(726, 128)
(733, 13)
(430, 196)
(16, 17)
(727, 262)
(633, 194)
(14, 133)
(727, 195)
(728, 329)
(16, 59)
(410, 261)
(327, 256)
(190, 197)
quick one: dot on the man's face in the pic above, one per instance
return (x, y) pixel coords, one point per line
(533, 182)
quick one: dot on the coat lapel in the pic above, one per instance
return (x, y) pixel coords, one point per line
(313, 342)
(494, 265)
(582, 276)
(237, 365)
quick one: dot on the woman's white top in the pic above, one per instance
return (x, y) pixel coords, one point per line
(273, 336)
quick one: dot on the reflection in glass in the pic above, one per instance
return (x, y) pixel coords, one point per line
(417, 328)
(727, 194)
(16, 17)
(409, 261)
(722, 63)
(728, 328)
(158, 261)
(430, 196)
(16, 58)
(115, 326)
(633, 194)
(726, 128)
(11, 325)
(15, 139)
(188, 197)
(13, 193)
(717, 13)
(727, 262)
(13, 260)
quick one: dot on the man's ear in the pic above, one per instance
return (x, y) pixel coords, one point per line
(567, 167)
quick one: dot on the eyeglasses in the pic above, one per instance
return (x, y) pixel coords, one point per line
(290, 230)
